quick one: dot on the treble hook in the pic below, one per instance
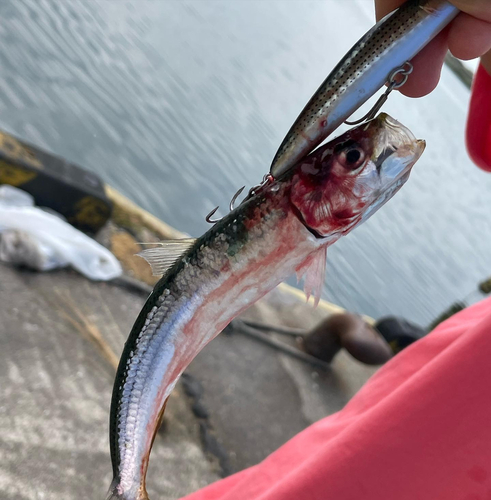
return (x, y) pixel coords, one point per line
(266, 180)
(209, 219)
(393, 84)
(234, 199)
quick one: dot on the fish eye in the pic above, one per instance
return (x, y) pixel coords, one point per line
(351, 157)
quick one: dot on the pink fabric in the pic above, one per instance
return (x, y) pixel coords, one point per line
(478, 130)
(420, 429)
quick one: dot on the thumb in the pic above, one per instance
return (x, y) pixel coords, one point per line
(481, 9)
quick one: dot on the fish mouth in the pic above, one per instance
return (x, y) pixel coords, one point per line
(391, 133)
(395, 152)
(396, 149)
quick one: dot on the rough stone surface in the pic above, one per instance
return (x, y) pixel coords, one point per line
(56, 380)
(60, 339)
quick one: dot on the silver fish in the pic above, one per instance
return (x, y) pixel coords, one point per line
(284, 228)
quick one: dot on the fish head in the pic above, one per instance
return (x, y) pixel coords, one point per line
(349, 179)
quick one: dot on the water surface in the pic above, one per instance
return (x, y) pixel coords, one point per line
(177, 104)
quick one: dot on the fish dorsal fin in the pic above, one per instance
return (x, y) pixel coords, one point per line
(164, 256)
(314, 271)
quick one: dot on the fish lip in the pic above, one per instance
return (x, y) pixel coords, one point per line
(392, 133)
(396, 149)
(395, 152)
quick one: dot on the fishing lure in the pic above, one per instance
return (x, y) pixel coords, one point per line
(380, 56)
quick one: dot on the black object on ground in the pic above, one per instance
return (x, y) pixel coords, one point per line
(71, 191)
(253, 331)
(211, 445)
(351, 332)
(399, 333)
(485, 286)
(319, 345)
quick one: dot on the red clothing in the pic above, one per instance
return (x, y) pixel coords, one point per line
(478, 133)
(420, 429)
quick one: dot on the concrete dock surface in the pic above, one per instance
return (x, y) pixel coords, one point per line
(60, 340)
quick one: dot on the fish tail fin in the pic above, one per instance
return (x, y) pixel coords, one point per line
(115, 494)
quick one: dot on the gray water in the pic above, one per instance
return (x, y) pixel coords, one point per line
(177, 104)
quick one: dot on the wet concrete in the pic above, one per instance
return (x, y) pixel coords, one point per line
(60, 339)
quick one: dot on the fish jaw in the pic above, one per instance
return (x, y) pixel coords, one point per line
(395, 168)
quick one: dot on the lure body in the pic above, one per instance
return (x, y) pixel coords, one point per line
(392, 42)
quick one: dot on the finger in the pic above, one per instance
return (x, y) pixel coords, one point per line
(427, 64)
(481, 9)
(469, 37)
(383, 7)
(427, 67)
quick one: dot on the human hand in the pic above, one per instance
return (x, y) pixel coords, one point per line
(467, 37)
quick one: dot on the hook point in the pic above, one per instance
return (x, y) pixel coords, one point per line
(209, 219)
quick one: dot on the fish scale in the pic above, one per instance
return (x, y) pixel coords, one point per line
(201, 265)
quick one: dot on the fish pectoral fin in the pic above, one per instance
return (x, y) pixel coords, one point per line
(164, 256)
(314, 271)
